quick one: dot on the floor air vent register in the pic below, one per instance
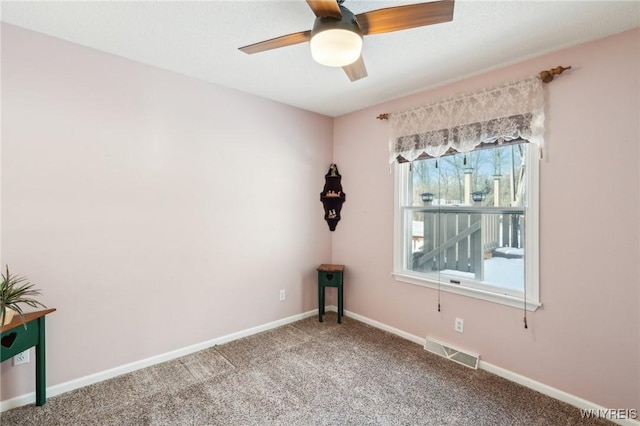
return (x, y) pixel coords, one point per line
(466, 358)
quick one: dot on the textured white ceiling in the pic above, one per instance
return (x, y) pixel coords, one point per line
(200, 39)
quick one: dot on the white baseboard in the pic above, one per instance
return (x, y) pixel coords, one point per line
(384, 327)
(127, 368)
(563, 396)
(61, 388)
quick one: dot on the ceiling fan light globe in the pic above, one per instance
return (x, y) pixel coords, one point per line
(336, 47)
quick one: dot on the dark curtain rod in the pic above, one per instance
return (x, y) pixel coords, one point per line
(545, 76)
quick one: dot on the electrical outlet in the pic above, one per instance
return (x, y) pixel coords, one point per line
(21, 358)
(283, 295)
(459, 325)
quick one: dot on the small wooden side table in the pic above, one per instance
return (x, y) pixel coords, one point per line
(330, 276)
(15, 338)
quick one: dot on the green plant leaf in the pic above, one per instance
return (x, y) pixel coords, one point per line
(16, 291)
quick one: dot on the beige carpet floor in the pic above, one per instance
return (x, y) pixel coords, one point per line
(305, 373)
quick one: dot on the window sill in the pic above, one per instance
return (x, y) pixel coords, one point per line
(514, 302)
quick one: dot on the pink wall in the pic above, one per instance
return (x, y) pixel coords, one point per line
(124, 186)
(585, 339)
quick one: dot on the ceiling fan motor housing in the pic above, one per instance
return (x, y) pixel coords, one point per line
(336, 42)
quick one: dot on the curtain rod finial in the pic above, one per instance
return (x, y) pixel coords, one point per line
(547, 76)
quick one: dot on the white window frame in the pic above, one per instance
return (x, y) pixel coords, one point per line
(402, 195)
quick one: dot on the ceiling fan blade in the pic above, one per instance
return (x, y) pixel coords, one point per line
(325, 8)
(356, 70)
(404, 17)
(274, 43)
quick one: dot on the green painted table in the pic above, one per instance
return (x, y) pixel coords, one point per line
(15, 338)
(330, 276)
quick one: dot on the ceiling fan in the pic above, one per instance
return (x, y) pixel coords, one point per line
(336, 37)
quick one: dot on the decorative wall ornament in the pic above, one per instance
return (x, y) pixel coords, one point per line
(332, 197)
(514, 110)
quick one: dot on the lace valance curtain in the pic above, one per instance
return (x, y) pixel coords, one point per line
(512, 111)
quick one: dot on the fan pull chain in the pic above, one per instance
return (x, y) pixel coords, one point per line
(436, 163)
(464, 160)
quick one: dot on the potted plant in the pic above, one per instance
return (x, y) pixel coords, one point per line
(15, 291)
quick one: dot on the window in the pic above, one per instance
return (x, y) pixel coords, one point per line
(468, 223)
